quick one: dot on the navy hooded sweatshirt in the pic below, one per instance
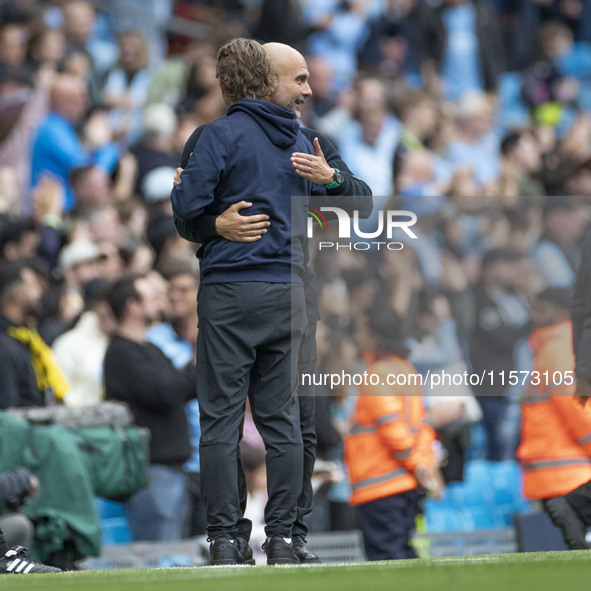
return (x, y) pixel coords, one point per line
(246, 156)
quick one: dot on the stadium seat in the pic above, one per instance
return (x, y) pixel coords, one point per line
(442, 519)
(481, 517)
(107, 509)
(113, 522)
(115, 531)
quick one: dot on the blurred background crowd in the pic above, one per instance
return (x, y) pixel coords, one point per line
(475, 114)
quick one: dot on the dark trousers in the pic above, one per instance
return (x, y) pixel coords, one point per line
(249, 333)
(580, 500)
(306, 399)
(387, 524)
(196, 520)
(502, 420)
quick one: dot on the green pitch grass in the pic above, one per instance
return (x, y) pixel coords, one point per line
(552, 571)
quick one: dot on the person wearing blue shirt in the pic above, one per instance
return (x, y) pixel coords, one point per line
(176, 338)
(57, 149)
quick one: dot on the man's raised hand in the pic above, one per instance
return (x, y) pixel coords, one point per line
(315, 168)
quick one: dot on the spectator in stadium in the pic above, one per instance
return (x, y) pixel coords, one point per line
(475, 143)
(388, 448)
(138, 373)
(126, 87)
(31, 376)
(173, 82)
(269, 288)
(459, 48)
(558, 252)
(78, 21)
(418, 115)
(56, 146)
(502, 318)
(177, 338)
(338, 30)
(90, 185)
(324, 98)
(80, 351)
(46, 48)
(521, 164)
(24, 103)
(367, 133)
(555, 449)
(78, 262)
(13, 44)
(156, 147)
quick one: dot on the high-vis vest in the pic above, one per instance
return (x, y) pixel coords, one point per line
(387, 437)
(555, 450)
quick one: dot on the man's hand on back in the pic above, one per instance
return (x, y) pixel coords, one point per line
(234, 226)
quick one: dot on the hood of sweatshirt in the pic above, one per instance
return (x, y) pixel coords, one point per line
(279, 124)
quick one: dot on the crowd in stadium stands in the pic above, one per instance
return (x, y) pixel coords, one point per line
(474, 114)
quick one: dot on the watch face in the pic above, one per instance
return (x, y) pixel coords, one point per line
(339, 177)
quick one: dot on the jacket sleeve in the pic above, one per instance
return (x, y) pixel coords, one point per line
(200, 229)
(576, 419)
(407, 446)
(131, 376)
(189, 147)
(201, 176)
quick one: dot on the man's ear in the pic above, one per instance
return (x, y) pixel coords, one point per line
(273, 83)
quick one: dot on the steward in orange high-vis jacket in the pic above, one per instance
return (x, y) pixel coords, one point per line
(388, 449)
(555, 449)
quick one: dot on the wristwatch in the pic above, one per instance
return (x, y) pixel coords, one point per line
(338, 177)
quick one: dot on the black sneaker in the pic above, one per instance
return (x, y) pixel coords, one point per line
(280, 551)
(245, 552)
(230, 551)
(298, 543)
(15, 561)
(566, 519)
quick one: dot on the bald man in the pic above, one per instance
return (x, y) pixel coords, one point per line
(251, 303)
(341, 189)
(57, 149)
